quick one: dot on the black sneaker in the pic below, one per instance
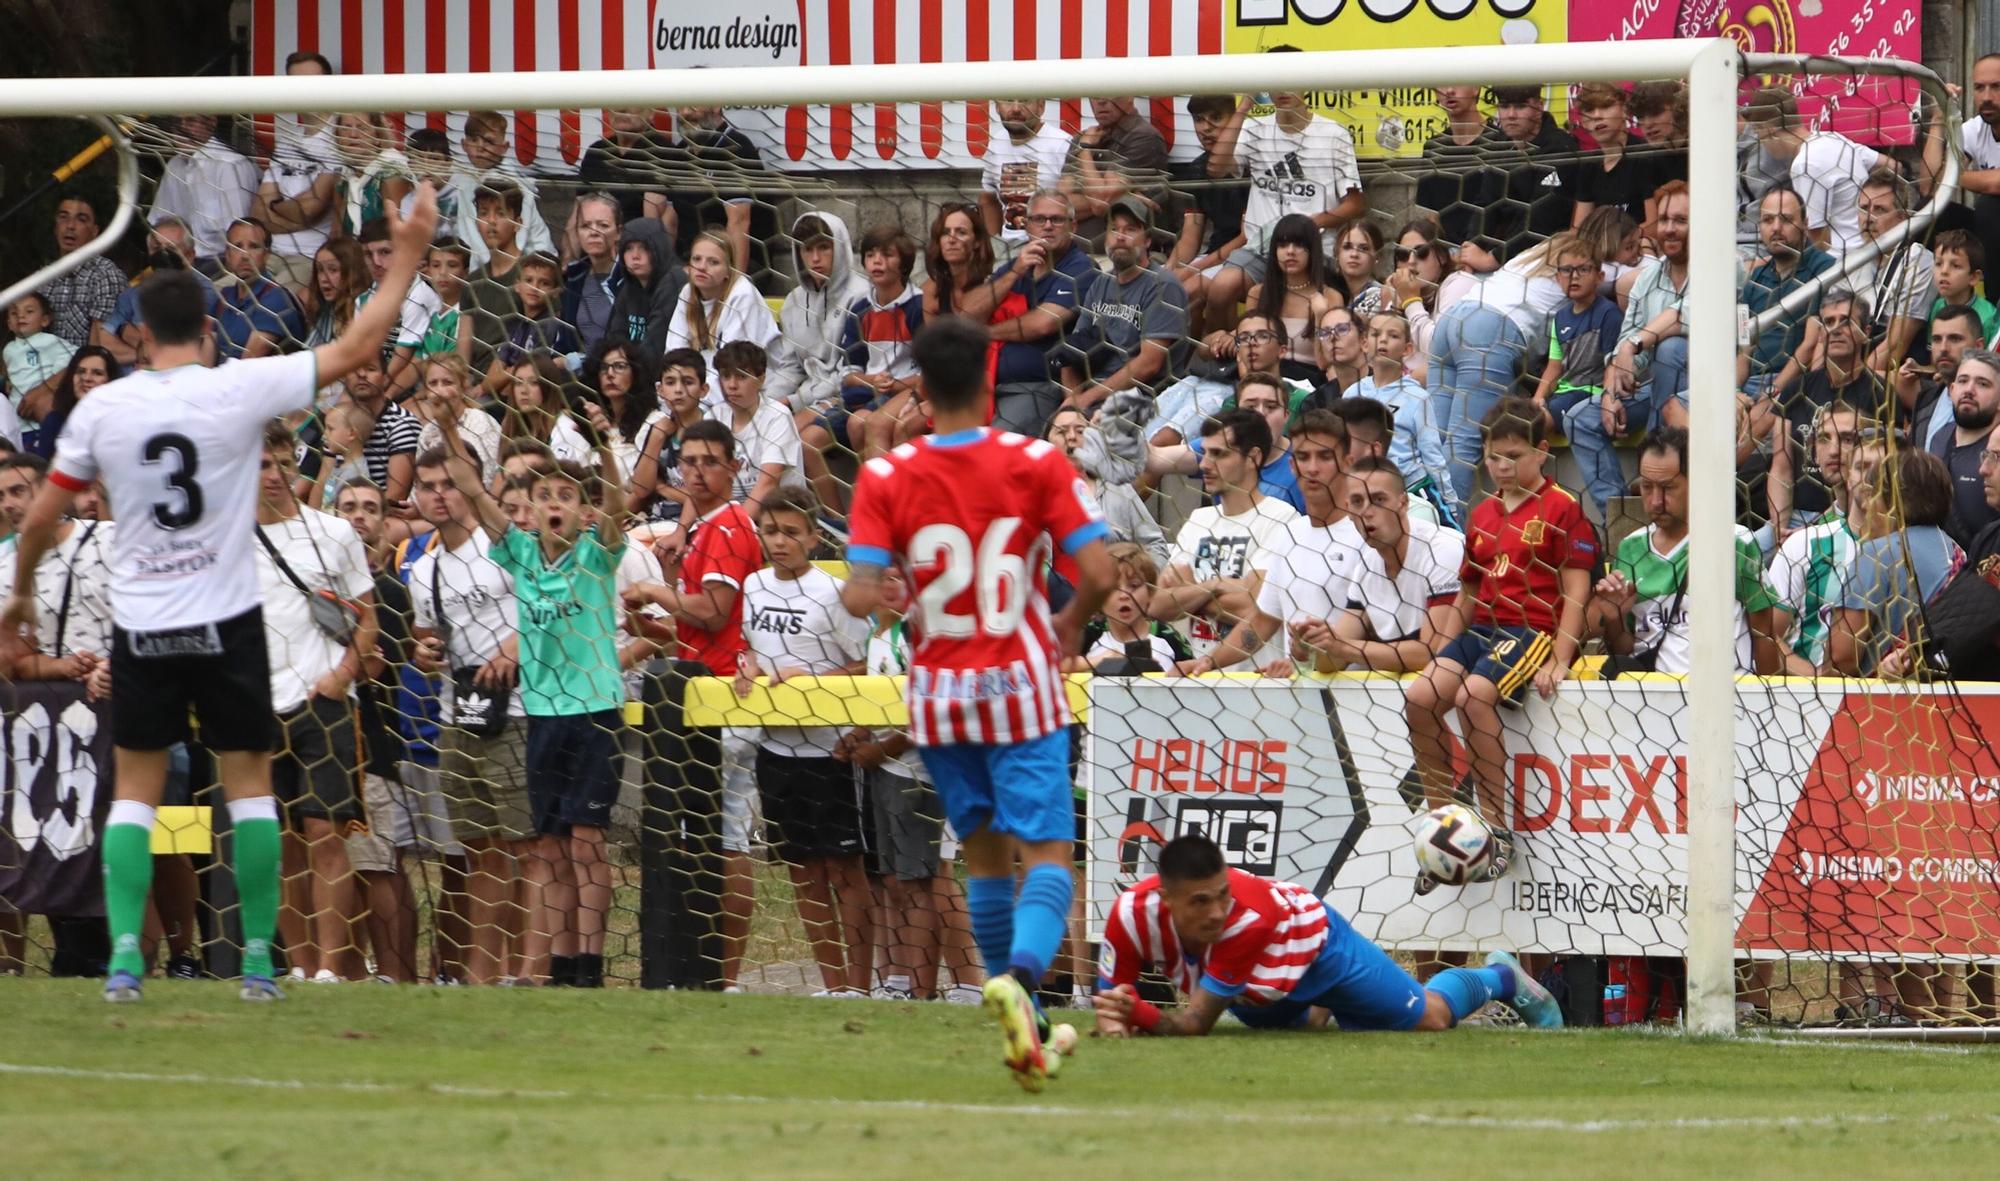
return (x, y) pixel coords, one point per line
(183, 967)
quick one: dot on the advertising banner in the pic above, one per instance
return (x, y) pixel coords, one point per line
(1866, 822)
(55, 788)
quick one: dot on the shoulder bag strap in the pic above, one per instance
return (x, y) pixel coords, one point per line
(69, 586)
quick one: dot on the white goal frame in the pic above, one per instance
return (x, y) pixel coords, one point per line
(1712, 69)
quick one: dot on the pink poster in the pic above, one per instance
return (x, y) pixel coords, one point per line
(1870, 110)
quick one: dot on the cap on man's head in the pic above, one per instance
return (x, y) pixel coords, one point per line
(1133, 207)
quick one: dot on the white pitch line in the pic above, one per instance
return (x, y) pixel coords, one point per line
(1587, 1127)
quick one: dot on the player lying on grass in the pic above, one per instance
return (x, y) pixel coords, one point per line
(1276, 957)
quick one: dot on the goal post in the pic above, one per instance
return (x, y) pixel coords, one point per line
(1713, 69)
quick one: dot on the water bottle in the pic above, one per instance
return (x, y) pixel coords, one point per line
(1614, 1004)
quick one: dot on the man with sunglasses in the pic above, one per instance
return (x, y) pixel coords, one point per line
(1797, 489)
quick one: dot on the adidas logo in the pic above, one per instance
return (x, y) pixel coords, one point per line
(474, 706)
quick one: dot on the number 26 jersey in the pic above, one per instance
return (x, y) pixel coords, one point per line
(179, 452)
(970, 517)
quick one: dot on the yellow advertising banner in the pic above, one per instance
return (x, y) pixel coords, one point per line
(1392, 122)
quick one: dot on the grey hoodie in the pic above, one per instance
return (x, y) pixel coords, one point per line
(642, 311)
(808, 363)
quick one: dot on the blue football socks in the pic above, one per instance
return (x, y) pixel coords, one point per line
(1041, 915)
(991, 903)
(1468, 990)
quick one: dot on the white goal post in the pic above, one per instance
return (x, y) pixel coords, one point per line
(1713, 70)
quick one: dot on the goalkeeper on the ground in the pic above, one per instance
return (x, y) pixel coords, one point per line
(1275, 956)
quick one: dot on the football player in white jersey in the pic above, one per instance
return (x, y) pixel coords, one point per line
(178, 448)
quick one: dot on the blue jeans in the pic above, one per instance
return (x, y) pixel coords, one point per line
(1475, 353)
(1670, 370)
(1594, 448)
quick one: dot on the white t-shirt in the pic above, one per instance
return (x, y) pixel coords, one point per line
(1312, 571)
(482, 437)
(1395, 607)
(298, 161)
(179, 451)
(1982, 150)
(888, 655)
(208, 188)
(480, 611)
(567, 442)
(83, 562)
(1906, 288)
(326, 554)
(636, 565)
(1015, 171)
(771, 436)
(1214, 545)
(419, 306)
(1311, 172)
(799, 623)
(1827, 173)
(628, 453)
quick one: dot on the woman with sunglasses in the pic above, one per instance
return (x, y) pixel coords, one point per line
(1420, 264)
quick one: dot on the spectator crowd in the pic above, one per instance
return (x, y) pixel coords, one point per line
(1325, 438)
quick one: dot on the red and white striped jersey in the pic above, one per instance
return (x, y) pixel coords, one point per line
(969, 518)
(1275, 932)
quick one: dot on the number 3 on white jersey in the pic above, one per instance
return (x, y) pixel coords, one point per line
(1001, 597)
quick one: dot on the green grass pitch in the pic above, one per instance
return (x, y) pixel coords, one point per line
(368, 1081)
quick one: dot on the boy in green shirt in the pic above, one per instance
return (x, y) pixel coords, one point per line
(565, 575)
(1641, 605)
(1959, 259)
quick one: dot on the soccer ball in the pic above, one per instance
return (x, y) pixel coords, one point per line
(1453, 844)
(1062, 1039)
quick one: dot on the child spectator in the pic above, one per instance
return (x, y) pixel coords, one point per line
(1528, 558)
(767, 440)
(1417, 444)
(1960, 266)
(348, 426)
(808, 367)
(644, 305)
(1126, 617)
(534, 327)
(1583, 334)
(875, 345)
(429, 150)
(655, 483)
(450, 331)
(533, 407)
(919, 893)
(882, 322)
(796, 627)
(36, 358)
(565, 574)
(719, 304)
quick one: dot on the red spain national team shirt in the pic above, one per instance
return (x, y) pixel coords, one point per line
(1514, 560)
(971, 518)
(722, 548)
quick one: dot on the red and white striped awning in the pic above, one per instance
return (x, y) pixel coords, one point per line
(473, 36)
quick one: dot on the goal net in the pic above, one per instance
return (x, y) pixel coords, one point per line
(1308, 286)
